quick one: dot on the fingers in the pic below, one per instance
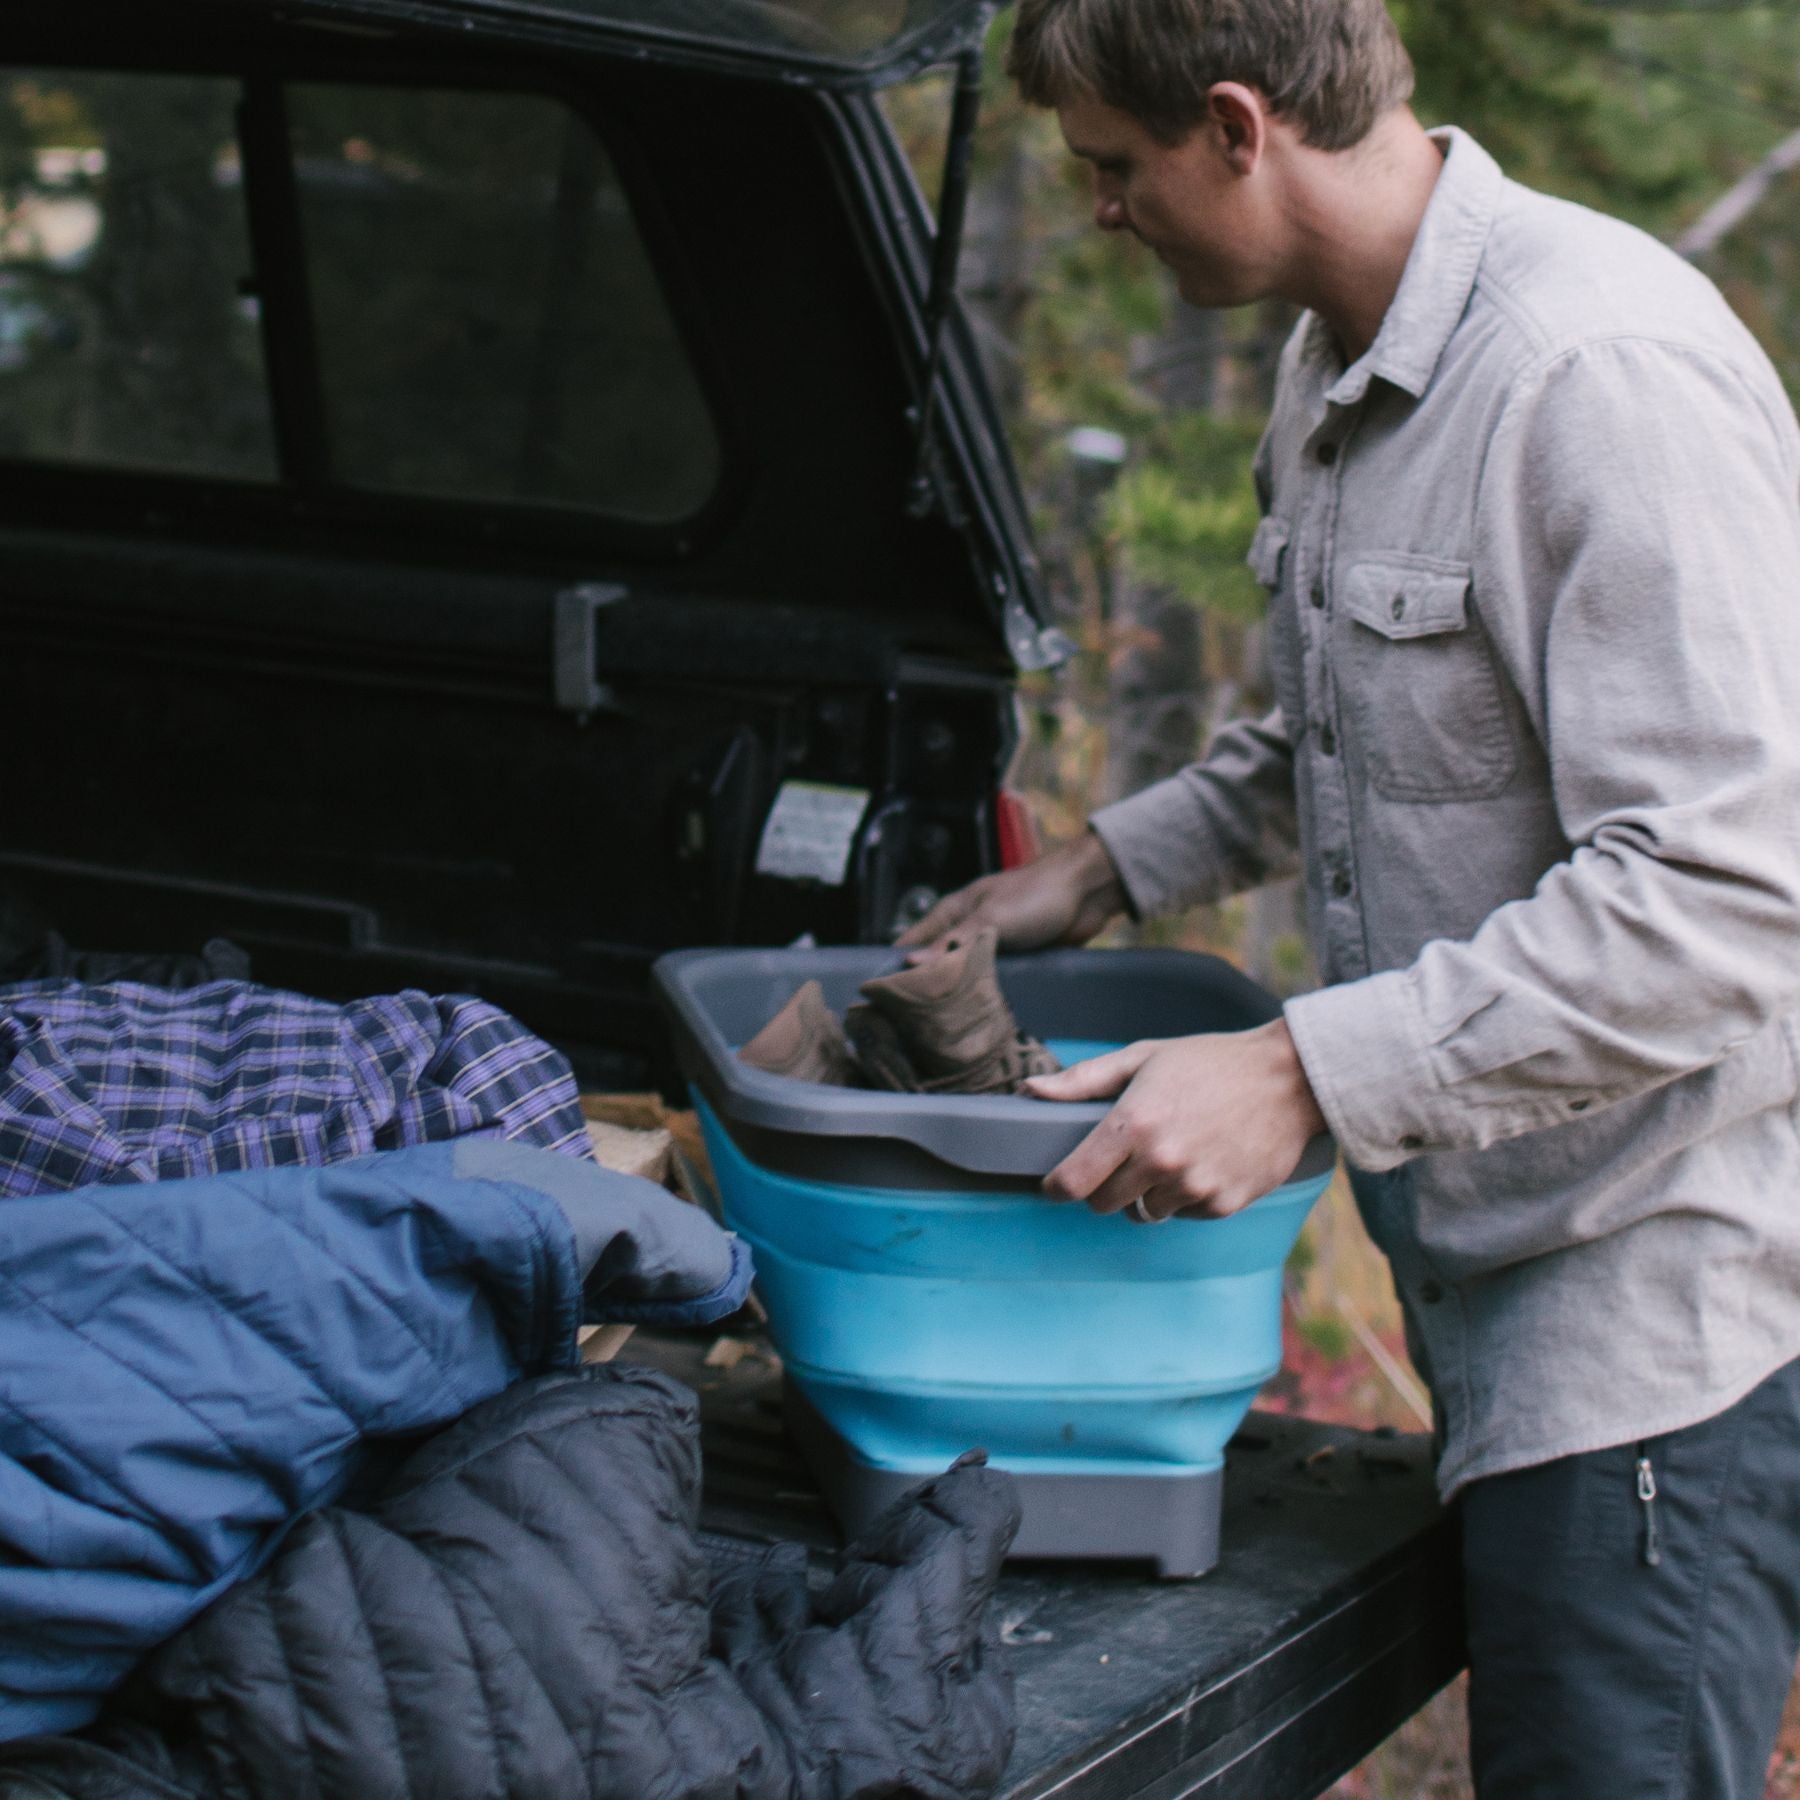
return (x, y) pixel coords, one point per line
(1138, 1153)
(1097, 1171)
(1138, 1179)
(1205, 1125)
(1220, 1207)
(1104, 1158)
(1064, 897)
(1162, 1200)
(1177, 1201)
(1120, 1190)
(950, 912)
(1098, 1078)
(1103, 1169)
(1112, 1172)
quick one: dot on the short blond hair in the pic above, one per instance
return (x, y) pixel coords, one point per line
(1332, 67)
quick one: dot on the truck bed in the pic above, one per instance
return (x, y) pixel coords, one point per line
(1334, 1614)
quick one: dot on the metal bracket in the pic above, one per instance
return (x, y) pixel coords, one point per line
(575, 651)
(1033, 646)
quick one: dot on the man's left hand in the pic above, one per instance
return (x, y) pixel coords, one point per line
(1204, 1125)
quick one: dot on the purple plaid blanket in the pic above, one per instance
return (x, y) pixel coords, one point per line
(127, 1083)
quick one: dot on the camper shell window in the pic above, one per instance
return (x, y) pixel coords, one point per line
(432, 293)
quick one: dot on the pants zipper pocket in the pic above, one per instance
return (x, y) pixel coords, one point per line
(1646, 1493)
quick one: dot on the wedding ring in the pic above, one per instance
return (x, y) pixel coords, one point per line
(1138, 1210)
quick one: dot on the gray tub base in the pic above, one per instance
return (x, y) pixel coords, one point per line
(1171, 1521)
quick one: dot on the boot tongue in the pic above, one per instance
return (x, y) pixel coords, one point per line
(949, 1013)
(967, 1000)
(964, 963)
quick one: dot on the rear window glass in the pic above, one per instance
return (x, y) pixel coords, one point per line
(126, 335)
(484, 323)
(488, 323)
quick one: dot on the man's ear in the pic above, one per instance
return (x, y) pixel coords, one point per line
(1240, 124)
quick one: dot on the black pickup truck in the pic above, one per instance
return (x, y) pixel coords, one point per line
(494, 490)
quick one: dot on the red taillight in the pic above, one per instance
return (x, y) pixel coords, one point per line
(1017, 830)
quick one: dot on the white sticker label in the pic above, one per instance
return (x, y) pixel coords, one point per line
(810, 830)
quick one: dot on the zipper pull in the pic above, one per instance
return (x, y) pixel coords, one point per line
(1646, 1493)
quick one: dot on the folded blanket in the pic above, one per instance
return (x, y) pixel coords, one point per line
(124, 1082)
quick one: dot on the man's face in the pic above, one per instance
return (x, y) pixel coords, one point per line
(1185, 200)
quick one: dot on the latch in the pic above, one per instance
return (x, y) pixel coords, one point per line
(575, 653)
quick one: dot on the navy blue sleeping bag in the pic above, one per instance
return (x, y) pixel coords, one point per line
(188, 1366)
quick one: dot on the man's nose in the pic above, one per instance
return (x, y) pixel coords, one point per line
(1109, 211)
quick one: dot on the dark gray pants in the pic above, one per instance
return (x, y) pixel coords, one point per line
(1620, 1645)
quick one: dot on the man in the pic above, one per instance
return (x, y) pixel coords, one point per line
(1533, 557)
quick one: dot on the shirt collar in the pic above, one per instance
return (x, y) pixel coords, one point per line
(1437, 282)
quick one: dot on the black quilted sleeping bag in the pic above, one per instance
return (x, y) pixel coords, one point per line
(528, 1613)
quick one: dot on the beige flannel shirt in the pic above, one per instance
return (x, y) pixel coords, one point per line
(1533, 566)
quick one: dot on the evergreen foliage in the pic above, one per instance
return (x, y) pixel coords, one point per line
(1649, 114)
(1646, 114)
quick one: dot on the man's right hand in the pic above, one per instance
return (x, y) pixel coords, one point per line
(1065, 897)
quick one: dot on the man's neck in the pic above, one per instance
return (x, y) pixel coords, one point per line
(1354, 215)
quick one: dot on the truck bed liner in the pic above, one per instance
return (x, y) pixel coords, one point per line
(1333, 1616)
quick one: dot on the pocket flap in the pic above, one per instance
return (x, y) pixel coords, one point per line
(1408, 599)
(1265, 551)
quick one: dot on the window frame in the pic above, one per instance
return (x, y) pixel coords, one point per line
(914, 48)
(304, 492)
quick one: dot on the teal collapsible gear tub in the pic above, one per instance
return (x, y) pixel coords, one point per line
(927, 1298)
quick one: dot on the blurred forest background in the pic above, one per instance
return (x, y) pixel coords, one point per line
(1134, 417)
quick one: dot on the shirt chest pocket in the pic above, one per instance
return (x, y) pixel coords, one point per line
(1419, 678)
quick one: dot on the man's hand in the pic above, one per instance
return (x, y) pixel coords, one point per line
(1205, 1125)
(1065, 897)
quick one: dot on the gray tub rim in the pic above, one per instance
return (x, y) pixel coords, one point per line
(917, 1140)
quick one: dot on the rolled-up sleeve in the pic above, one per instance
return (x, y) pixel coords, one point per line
(1221, 825)
(1638, 502)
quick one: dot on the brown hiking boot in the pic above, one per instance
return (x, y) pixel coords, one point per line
(880, 1052)
(805, 1042)
(950, 1025)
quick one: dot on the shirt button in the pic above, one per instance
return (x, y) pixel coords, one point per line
(1398, 609)
(1412, 1141)
(1341, 884)
(1327, 739)
(1327, 454)
(1318, 594)
(1431, 1292)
